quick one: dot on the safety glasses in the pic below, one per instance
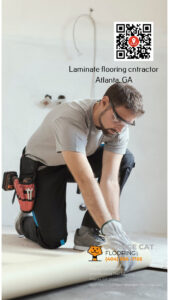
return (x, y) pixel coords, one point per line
(119, 118)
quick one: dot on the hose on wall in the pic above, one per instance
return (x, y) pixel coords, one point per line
(89, 16)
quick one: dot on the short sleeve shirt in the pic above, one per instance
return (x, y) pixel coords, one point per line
(70, 127)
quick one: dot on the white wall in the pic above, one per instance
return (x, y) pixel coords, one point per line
(37, 50)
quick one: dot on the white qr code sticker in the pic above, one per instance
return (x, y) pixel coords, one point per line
(133, 41)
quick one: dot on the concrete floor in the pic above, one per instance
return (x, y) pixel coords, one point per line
(143, 284)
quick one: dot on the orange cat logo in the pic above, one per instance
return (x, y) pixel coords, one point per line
(95, 251)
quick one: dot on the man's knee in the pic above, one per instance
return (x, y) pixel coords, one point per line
(53, 241)
(128, 160)
(127, 163)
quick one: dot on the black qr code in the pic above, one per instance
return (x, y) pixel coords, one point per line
(133, 41)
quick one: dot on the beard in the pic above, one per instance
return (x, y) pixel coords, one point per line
(101, 126)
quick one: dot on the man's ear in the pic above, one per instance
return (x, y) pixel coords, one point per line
(105, 100)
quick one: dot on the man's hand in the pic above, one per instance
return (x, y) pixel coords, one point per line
(117, 239)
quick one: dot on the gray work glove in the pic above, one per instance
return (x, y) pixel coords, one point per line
(117, 239)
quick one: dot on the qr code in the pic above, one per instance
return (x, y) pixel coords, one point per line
(133, 41)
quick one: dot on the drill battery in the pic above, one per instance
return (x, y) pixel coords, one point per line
(8, 179)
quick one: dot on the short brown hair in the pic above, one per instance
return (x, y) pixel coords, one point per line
(126, 95)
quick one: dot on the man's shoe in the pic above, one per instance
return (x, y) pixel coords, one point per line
(18, 222)
(86, 237)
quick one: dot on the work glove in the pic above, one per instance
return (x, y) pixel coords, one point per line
(117, 239)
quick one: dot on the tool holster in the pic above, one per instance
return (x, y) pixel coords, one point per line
(25, 188)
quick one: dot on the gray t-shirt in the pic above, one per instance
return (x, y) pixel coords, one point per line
(69, 126)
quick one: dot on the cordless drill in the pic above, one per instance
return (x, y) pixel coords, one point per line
(24, 190)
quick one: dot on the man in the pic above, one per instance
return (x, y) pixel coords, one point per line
(81, 141)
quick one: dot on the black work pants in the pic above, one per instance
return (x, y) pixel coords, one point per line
(48, 226)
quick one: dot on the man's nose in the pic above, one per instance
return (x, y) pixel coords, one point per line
(119, 129)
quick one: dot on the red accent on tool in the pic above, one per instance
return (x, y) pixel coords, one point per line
(25, 194)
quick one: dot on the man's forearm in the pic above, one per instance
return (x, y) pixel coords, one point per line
(94, 201)
(111, 194)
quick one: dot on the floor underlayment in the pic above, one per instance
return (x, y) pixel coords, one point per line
(158, 251)
(15, 249)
